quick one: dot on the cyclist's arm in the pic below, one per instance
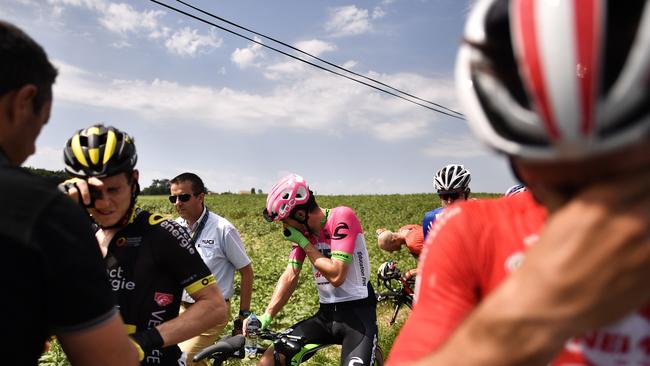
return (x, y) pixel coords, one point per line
(208, 310)
(104, 345)
(333, 270)
(283, 289)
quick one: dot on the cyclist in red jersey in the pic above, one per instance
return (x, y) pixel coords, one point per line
(558, 274)
(411, 236)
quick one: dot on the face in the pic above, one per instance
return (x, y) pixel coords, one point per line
(113, 198)
(20, 141)
(192, 208)
(554, 184)
(447, 199)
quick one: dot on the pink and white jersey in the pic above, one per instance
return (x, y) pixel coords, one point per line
(340, 239)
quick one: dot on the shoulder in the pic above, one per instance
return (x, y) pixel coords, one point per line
(342, 212)
(163, 230)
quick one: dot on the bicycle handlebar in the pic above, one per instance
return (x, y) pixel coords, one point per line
(229, 345)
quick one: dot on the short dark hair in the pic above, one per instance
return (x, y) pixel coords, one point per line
(197, 184)
(23, 61)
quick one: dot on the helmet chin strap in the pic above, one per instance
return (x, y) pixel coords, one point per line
(135, 190)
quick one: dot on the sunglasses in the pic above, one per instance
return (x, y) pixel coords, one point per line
(268, 216)
(182, 197)
(449, 196)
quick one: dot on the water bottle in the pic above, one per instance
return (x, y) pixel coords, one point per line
(253, 327)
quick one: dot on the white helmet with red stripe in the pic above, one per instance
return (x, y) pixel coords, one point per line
(557, 80)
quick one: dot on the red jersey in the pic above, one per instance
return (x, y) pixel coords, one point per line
(414, 239)
(473, 246)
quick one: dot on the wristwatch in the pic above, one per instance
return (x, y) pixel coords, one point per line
(244, 313)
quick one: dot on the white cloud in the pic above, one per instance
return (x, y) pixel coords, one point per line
(187, 42)
(249, 56)
(46, 158)
(312, 100)
(378, 12)
(347, 21)
(315, 47)
(122, 18)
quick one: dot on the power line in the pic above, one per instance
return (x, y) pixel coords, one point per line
(458, 115)
(315, 57)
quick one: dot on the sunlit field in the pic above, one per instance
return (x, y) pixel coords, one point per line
(269, 251)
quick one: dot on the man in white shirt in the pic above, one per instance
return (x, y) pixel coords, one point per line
(219, 244)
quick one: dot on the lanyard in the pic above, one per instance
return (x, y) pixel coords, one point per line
(196, 233)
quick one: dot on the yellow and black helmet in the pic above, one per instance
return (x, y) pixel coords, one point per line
(99, 151)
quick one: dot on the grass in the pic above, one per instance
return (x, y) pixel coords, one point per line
(268, 252)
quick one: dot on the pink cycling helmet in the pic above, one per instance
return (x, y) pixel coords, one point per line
(556, 80)
(286, 194)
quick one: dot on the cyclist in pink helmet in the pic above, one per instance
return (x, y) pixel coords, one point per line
(556, 275)
(333, 240)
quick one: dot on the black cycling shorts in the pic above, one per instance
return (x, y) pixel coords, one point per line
(352, 324)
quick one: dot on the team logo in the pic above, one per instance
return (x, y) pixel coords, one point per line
(355, 361)
(163, 299)
(120, 242)
(338, 235)
(514, 261)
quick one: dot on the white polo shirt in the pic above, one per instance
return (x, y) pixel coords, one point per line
(221, 248)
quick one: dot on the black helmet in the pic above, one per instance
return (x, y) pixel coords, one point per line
(99, 151)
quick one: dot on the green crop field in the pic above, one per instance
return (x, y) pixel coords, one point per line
(268, 252)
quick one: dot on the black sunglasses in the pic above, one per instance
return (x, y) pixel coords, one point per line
(449, 196)
(267, 216)
(183, 197)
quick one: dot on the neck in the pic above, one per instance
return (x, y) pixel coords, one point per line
(192, 220)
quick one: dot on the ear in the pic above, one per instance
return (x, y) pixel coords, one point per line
(135, 175)
(23, 104)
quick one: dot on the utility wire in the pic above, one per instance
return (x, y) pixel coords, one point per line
(315, 57)
(302, 60)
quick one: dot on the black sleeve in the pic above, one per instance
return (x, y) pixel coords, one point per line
(77, 287)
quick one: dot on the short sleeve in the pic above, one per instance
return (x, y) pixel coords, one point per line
(234, 248)
(345, 228)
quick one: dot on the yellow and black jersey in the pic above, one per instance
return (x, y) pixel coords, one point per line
(149, 263)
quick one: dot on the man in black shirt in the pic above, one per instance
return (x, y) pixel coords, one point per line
(53, 276)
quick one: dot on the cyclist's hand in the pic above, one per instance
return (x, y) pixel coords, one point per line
(293, 235)
(265, 320)
(80, 190)
(146, 341)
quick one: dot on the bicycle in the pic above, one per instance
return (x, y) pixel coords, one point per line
(400, 291)
(295, 349)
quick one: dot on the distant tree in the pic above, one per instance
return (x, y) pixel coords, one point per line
(52, 177)
(259, 191)
(157, 187)
(253, 190)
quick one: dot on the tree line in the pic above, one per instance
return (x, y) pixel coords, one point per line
(157, 187)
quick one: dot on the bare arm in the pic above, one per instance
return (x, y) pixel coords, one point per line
(104, 345)
(283, 290)
(334, 271)
(208, 310)
(246, 274)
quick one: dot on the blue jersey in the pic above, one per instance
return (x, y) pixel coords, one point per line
(429, 218)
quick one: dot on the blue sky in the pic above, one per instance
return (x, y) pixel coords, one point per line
(199, 99)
